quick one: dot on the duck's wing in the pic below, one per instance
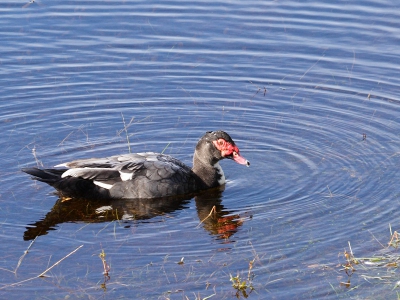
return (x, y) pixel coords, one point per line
(111, 162)
(105, 172)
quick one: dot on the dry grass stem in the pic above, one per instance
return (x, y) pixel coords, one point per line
(80, 128)
(41, 274)
(330, 193)
(106, 266)
(55, 264)
(213, 210)
(162, 152)
(21, 258)
(394, 241)
(376, 239)
(38, 162)
(126, 130)
(23, 255)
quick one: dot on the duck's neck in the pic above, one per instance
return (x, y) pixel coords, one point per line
(211, 175)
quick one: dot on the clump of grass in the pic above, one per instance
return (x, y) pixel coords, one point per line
(243, 287)
(394, 241)
(367, 266)
(348, 267)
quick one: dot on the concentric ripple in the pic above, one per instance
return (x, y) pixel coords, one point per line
(308, 90)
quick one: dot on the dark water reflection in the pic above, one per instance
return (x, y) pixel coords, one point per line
(212, 214)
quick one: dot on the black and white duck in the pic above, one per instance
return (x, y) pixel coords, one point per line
(143, 175)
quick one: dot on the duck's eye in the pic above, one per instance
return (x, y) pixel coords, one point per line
(235, 153)
(220, 142)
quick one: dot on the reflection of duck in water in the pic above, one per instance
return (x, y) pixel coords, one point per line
(116, 188)
(215, 218)
(212, 214)
(143, 175)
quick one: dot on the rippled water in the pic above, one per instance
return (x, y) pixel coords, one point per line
(308, 90)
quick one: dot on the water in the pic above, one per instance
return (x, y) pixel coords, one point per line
(308, 90)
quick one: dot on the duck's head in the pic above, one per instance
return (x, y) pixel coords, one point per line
(217, 145)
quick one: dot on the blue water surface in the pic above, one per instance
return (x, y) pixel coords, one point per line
(307, 89)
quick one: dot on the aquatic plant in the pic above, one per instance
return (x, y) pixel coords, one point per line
(244, 286)
(378, 267)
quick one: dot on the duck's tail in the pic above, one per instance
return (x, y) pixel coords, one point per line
(70, 187)
(50, 176)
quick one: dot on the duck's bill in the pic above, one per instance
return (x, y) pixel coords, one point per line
(240, 160)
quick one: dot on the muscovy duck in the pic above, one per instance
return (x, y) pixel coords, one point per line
(143, 175)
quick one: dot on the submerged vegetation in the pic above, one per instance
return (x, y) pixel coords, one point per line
(380, 267)
(42, 274)
(217, 282)
(244, 286)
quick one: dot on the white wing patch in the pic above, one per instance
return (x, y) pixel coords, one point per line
(61, 165)
(126, 176)
(72, 172)
(83, 172)
(102, 184)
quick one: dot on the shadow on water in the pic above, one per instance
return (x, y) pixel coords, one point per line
(211, 213)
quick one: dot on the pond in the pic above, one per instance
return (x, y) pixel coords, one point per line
(307, 89)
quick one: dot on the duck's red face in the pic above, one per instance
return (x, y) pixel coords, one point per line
(231, 151)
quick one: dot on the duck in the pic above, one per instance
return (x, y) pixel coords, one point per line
(145, 175)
